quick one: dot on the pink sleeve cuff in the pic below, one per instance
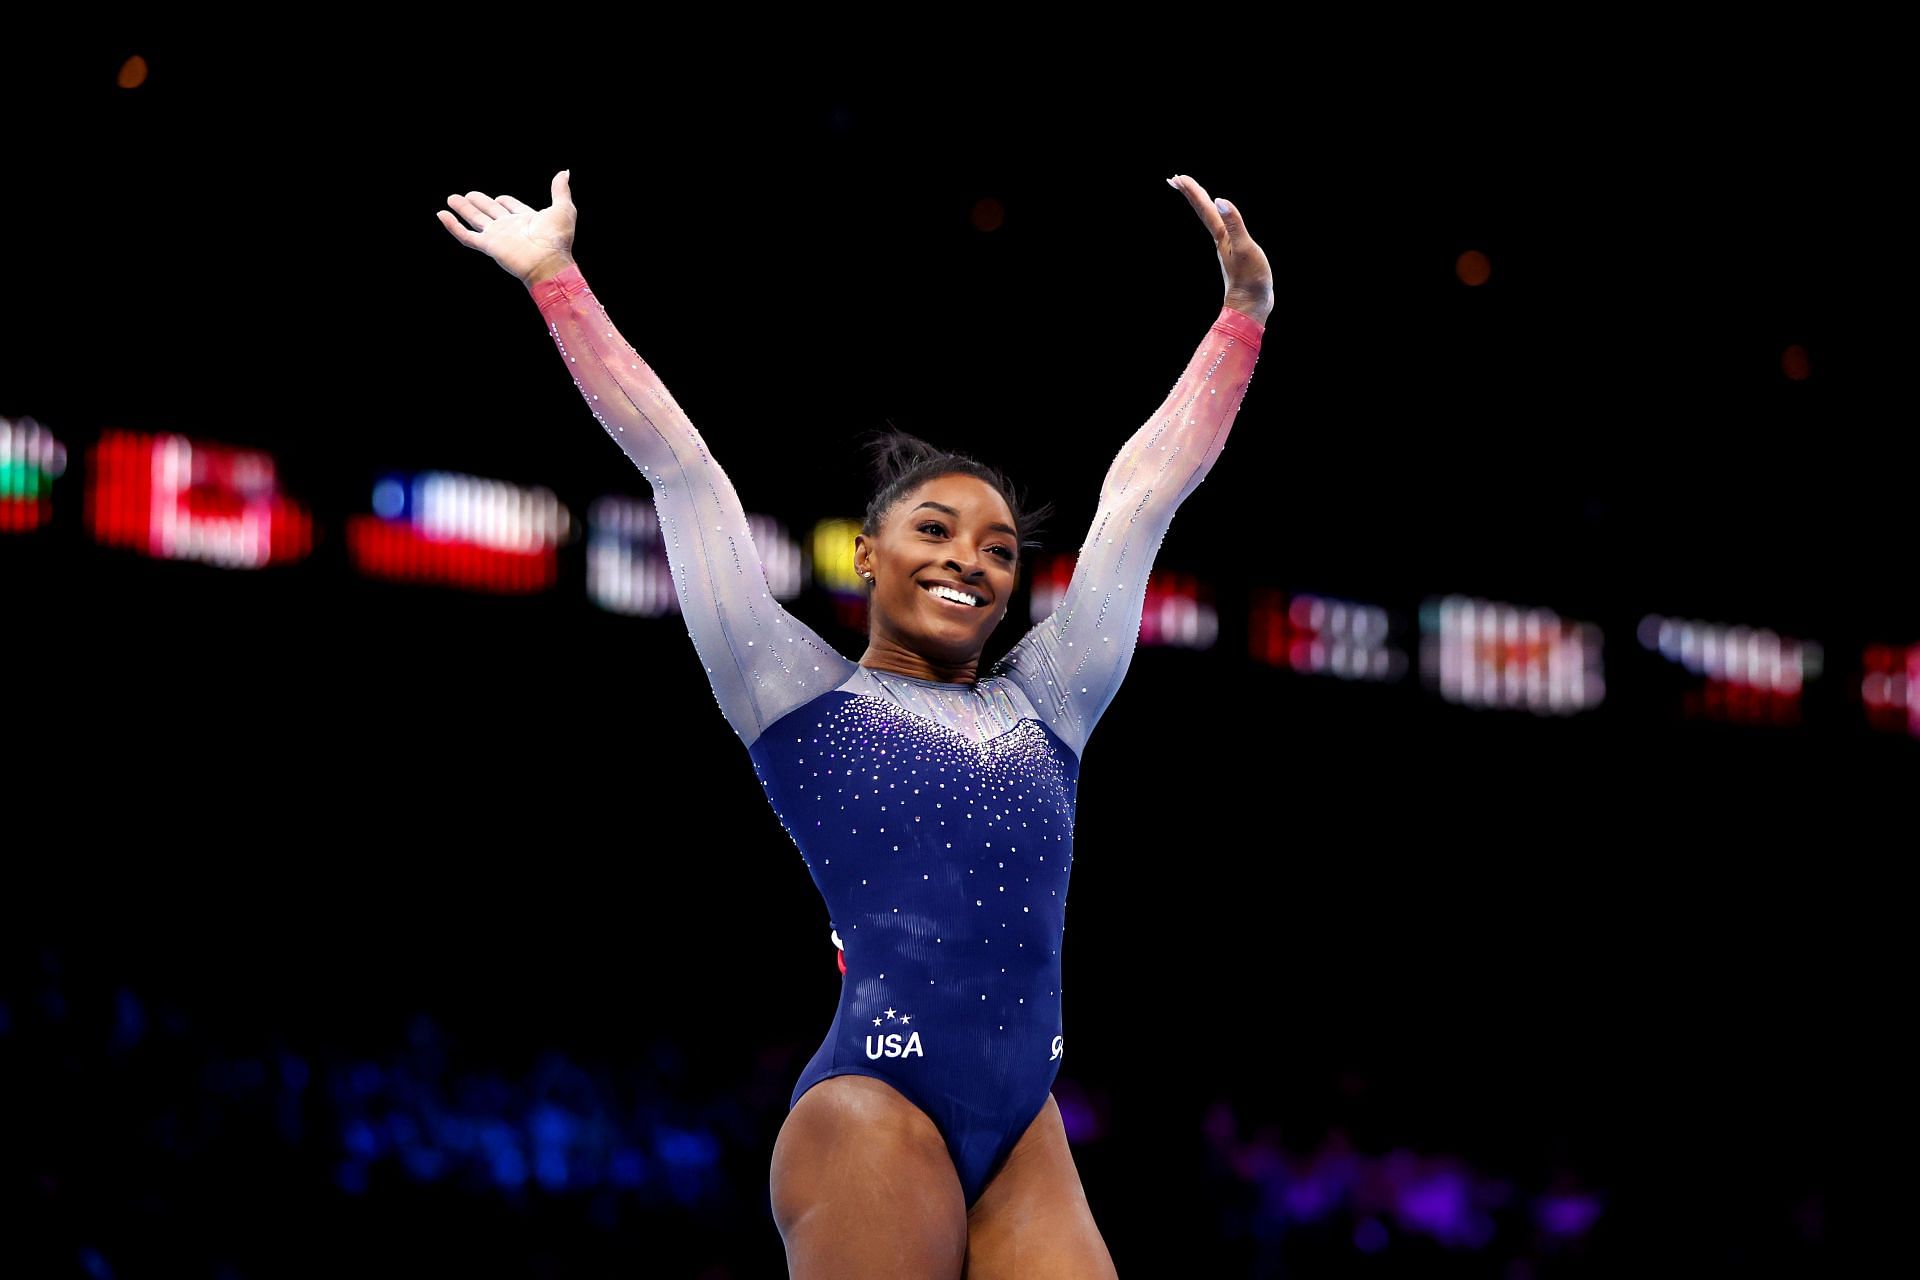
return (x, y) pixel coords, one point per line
(557, 289)
(1240, 325)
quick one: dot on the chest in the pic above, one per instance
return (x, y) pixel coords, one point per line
(857, 769)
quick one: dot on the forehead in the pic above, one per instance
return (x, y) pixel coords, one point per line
(971, 496)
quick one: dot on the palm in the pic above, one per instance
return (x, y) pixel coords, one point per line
(514, 234)
(1243, 264)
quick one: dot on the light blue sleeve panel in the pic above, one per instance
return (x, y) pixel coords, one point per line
(1071, 663)
(761, 661)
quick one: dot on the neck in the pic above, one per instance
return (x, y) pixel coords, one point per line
(894, 660)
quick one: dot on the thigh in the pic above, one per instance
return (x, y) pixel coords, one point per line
(1033, 1220)
(863, 1185)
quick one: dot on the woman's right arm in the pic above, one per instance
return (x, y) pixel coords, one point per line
(761, 661)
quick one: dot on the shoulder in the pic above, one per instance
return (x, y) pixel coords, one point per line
(803, 714)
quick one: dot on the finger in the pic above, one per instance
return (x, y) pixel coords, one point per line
(512, 205)
(486, 204)
(562, 189)
(469, 238)
(1202, 205)
(1230, 217)
(467, 209)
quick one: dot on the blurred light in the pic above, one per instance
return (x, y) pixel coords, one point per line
(630, 572)
(1080, 1115)
(833, 556)
(1315, 635)
(358, 1138)
(509, 1167)
(988, 214)
(1483, 653)
(1472, 267)
(686, 1149)
(31, 459)
(1439, 1196)
(129, 1020)
(550, 1168)
(1890, 687)
(424, 1163)
(1177, 613)
(132, 74)
(463, 531)
(389, 498)
(1434, 1198)
(1794, 363)
(832, 543)
(627, 1168)
(782, 559)
(1565, 1214)
(1751, 675)
(173, 498)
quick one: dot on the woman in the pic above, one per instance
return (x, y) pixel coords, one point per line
(932, 805)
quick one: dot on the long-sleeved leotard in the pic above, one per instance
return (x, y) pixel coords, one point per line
(935, 818)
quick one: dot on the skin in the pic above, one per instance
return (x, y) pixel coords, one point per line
(861, 1183)
(910, 632)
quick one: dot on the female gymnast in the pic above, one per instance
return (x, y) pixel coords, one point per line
(933, 806)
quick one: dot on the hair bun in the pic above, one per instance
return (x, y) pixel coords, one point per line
(901, 462)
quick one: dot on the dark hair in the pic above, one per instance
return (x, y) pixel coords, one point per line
(902, 462)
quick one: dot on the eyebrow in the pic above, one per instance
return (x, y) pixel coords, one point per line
(941, 506)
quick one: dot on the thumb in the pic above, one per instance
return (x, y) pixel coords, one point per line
(560, 193)
(1229, 215)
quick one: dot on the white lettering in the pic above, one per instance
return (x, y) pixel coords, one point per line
(892, 1047)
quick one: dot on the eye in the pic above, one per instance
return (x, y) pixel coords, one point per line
(941, 530)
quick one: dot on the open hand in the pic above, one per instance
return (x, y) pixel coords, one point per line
(522, 239)
(1244, 266)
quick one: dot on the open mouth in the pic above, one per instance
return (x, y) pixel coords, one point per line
(953, 598)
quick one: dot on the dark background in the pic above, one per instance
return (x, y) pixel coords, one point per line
(294, 853)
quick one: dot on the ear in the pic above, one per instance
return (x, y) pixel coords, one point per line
(862, 552)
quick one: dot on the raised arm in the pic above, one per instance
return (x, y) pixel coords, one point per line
(761, 661)
(1071, 663)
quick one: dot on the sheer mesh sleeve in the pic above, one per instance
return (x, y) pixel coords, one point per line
(1071, 663)
(761, 661)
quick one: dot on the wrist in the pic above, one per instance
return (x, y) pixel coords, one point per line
(547, 269)
(1256, 313)
(1254, 305)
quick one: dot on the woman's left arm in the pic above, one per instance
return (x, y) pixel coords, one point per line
(1071, 663)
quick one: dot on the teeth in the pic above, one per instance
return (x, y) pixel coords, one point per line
(948, 593)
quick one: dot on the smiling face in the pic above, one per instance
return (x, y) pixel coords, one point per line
(955, 532)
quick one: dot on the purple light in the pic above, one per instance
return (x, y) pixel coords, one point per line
(1435, 1201)
(1078, 1115)
(1567, 1214)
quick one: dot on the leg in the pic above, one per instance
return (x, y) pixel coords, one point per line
(862, 1185)
(1033, 1221)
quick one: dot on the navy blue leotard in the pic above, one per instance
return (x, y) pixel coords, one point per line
(936, 818)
